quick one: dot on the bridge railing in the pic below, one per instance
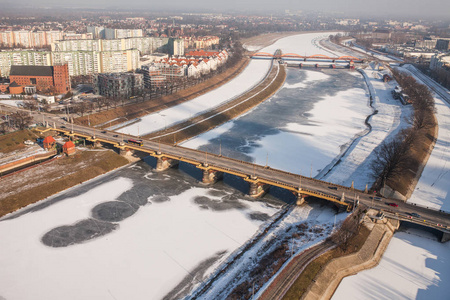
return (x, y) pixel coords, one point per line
(430, 208)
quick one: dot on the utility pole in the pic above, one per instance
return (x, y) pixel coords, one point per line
(300, 181)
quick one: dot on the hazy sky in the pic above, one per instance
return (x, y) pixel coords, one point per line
(416, 8)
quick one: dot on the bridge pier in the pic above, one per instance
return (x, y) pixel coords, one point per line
(445, 237)
(257, 189)
(163, 163)
(211, 176)
(124, 151)
(301, 199)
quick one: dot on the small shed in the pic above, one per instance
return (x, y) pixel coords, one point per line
(69, 148)
(49, 142)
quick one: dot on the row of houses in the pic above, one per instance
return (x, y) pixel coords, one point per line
(197, 64)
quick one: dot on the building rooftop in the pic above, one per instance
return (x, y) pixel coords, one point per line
(31, 71)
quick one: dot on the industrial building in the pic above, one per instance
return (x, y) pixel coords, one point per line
(44, 78)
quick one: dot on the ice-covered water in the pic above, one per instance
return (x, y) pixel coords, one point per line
(302, 128)
(132, 234)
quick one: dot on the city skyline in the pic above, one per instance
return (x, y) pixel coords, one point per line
(399, 8)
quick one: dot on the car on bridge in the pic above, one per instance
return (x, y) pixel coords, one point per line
(393, 204)
(415, 215)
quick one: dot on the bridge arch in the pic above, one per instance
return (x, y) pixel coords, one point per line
(264, 54)
(292, 55)
(319, 56)
(346, 57)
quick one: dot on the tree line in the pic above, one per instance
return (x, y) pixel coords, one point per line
(394, 157)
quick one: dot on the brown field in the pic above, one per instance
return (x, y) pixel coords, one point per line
(14, 141)
(304, 280)
(23, 188)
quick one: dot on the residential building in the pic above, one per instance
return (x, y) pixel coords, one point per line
(119, 85)
(145, 45)
(23, 58)
(79, 62)
(176, 46)
(440, 61)
(29, 39)
(443, 44)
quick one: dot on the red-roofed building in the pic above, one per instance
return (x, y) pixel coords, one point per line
(69, 148)
(49, 142)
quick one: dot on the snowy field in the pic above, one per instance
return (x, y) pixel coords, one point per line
(253, 74)
(391, 118)
(414, 266)
(432, 190)
(144, 258)
(14, 103)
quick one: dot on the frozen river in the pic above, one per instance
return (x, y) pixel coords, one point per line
(138, 234)
(131, 234)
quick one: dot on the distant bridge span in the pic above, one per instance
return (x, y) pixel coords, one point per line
(314, 57)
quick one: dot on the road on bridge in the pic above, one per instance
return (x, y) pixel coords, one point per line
(428, 217)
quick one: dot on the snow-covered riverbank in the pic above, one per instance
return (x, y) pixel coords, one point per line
(414, 266)
(253, 74)
(432, 190)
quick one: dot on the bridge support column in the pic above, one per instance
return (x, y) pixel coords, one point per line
(164, 163)
(300, 199)
(124, 151)
(211, 176)
(257, 189)
(445, 237)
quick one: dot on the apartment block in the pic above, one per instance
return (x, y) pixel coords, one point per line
(119, 85)
(23, 58)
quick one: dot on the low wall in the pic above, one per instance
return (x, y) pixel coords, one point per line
(25, 161)
(367, 257)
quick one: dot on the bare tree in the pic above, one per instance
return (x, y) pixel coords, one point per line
(21, 119)
(349, 228)
(30, 104)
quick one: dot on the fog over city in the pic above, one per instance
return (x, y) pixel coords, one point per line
(405, 8)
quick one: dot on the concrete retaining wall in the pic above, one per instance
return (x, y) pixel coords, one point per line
(25, 161)
(367, 257)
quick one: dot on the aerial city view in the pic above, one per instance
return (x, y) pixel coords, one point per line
(224, 150)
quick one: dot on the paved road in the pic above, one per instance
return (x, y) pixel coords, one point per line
(428, 217)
